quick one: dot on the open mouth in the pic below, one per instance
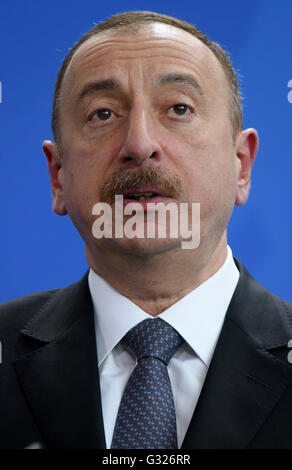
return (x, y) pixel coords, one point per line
(143, 194)
(140, 196)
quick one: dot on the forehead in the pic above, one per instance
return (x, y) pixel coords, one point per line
(154, 48)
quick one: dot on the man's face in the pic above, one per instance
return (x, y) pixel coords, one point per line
(154, 102)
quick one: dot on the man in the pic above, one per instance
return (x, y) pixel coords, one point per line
(147, 108)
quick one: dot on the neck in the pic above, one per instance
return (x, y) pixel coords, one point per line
(154, 283)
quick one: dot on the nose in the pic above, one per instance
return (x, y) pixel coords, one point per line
(140, 141)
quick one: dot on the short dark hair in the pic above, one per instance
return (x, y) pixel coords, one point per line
(132, 22)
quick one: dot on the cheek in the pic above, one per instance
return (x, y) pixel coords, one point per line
(87, 163)
(208, 168)
(82, 179)
(79, 199)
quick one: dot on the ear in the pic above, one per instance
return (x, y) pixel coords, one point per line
(246, 150)
(56, 176)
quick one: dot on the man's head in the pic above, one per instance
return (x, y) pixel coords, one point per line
(133, 22)
(145, 100)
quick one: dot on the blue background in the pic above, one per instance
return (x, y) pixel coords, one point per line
(40, 250)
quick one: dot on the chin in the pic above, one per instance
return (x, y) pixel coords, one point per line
(145, 247)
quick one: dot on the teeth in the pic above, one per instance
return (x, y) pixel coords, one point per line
(140, 197)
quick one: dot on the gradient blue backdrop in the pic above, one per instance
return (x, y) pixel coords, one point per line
(40, 250)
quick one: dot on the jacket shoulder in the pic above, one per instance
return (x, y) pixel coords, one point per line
(41, 316)
(260, 313)
(17, 312)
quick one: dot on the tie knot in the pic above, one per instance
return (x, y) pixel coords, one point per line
(153, 338)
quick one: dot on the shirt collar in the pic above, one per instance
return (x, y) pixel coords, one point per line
(198, 316)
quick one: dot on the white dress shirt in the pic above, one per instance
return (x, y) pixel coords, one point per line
(198, 317)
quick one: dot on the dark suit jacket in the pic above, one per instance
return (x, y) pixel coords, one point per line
(49, 385)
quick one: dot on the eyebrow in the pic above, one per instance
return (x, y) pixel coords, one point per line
(166, 79)
(178, 78)
(93, 87)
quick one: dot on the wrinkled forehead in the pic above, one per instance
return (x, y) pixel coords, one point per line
(171, 45)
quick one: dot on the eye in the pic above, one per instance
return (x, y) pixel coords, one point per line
(103, 114)
(180, 109)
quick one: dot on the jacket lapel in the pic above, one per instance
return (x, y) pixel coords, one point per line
(60, 379)
(243, 384)
(245, 381)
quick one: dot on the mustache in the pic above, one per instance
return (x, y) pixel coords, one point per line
(127, 178)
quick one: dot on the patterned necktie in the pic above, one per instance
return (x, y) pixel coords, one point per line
(146, 417)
